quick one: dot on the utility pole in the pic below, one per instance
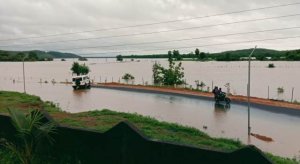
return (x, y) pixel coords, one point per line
(248, 89)
(24, 76)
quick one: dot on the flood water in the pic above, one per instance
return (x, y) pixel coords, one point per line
(285, 74)
(282, 126)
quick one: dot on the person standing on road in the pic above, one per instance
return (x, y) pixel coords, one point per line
(215, 92)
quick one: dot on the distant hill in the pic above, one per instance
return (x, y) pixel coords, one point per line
(259, 54)
(62, 55)
(34, 55)
(246, 52)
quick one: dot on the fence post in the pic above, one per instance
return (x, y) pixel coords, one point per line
(268, 92)
(292, 94)
(212, 84)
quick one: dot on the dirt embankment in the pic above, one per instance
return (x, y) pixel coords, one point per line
(239, 98)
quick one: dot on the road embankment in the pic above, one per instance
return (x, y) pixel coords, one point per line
(259, 102)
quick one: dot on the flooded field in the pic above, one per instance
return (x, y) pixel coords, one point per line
(285, 74)
(282, 126)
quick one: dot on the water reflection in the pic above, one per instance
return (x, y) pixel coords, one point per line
(168, 98)
(220, 114)
(221, 108)
(80, 92)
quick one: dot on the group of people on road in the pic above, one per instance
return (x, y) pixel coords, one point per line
(218, 92)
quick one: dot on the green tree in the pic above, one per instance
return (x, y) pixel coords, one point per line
(197, 53)
(4, 56)
(84, 69)
(177, 55)
(31, 134)
(173, 75)
(32, 56)
(75, 68)
(19, 57)
(119, 58)
(179, 74)
(202, 85)
(261, 56)
(157, 70)
(79, 69)
(170, 56)
(202, 55)
(293, 56)
(227, 57)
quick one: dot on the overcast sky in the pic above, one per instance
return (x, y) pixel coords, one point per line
(33, 18)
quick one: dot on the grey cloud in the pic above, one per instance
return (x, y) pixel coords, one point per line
(43, 17)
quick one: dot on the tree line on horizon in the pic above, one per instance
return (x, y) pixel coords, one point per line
(21, 56)
(259, 54)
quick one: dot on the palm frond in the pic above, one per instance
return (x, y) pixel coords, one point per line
(31, 132)
(18, 119)
(46, 130)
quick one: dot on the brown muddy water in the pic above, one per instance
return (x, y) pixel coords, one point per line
(283, 126)
(285, 74)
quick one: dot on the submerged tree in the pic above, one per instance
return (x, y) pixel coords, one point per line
(84, 69)
(168, 76)
(79, 69)
(82, 59)
(119, 58)
(200, 84)
(128, 76)
(271, 65)
(158, 76)
(280, 90)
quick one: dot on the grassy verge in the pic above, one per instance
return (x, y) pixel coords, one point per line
(106, 119)
(152, 128)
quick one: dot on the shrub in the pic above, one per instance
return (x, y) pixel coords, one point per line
(128, 77)
(271, 65)
(280, 90)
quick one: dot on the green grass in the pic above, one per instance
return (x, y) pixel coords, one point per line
(24, 102)
(152, 128)
(105, 119)
(19, 101)
(281, 160)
